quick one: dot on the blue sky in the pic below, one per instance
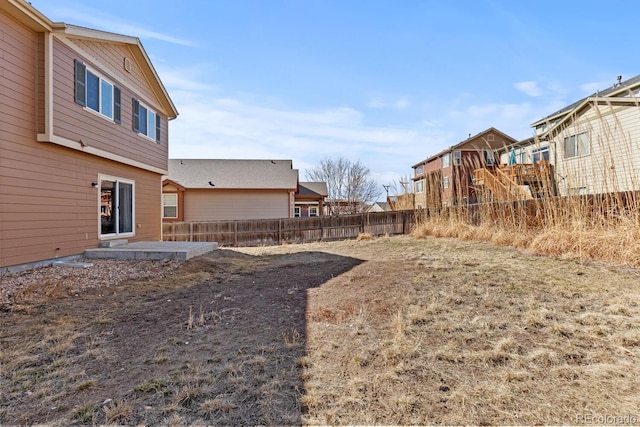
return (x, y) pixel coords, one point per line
(387, 83)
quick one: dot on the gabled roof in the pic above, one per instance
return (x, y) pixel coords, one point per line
(313, 189)
(471, 145)
(32, 18)
(614, 91)
(221, 174)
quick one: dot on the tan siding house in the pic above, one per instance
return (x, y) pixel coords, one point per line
(594, 143)
(74, 170)
(217, 189)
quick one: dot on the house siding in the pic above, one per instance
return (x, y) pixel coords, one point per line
(48, 206)
(210, 205)
(74, 122)
(614, 160)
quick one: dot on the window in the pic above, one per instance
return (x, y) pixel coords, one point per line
(446, 160)
(419, 170)
(576, 145)
(116, 207)
(489, 159)
(419, 206)
(296, 212)
(457, 157)
(96, 93)
(313, 211)
(145, 121)
(419, 186)
(445, 182)
(540, 154)
(170, 206)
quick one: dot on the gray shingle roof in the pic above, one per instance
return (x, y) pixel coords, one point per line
(611, 91)
(313, 188)
(233, 174)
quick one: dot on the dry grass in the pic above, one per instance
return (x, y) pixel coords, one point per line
(419, 331)
(456, 336)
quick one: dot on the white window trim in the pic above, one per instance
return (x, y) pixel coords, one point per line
(149, 109)
(421, 190)
(313, 211)
(133, 207)
(564, 147)
(101, 77)
(448, 157)
(445, 182)
(297, 212)
(457, 160)
(165, 205)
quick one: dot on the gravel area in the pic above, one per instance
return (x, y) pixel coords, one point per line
(51, 281)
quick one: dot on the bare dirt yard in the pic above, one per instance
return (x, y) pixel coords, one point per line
(385, 331)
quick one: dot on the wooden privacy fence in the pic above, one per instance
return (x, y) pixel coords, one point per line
(290, 230)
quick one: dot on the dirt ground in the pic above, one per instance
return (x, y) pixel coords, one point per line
(385, 331)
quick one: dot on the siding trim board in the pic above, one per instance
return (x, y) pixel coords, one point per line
(82, 146)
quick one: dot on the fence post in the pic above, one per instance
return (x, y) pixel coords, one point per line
(280, 231)
(235, 233)
(191, 231)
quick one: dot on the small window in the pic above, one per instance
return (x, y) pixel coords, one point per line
(313, 211)
(457, 157)
(576, 145)
(146, 121)
(446, 160)
(419, 170)
(170, 206)
(540, 154)
(445, 182)
(96, 93)
(419, 186)
(419, 206)
(296, 212)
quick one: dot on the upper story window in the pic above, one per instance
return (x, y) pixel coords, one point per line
(97, 93)
(419, 170)
(445, 182)
(419, 186)
(146, 121)
(576, 145)
(457, 157)
(446, 160)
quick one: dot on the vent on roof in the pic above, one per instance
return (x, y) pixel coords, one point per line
(490, 137)
(127, 64)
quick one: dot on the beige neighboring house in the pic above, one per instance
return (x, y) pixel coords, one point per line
(218, 189)
(593, 143)
(83, 138)
(309, 199)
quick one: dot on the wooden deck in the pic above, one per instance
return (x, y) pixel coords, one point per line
(514, 182)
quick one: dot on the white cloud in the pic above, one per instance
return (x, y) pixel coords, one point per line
(529, 88)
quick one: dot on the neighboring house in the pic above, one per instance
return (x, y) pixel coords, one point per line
(380, 207)
(217, 189)
(83, 140)
(445, 179)
(593, 143)
(523, 172)
(309, 199)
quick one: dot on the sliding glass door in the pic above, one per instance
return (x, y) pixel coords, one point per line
(116, 207)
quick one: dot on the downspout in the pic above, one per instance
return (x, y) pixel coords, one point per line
(48, 89)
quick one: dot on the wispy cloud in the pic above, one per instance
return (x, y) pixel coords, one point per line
(93, 18)
(529, 88)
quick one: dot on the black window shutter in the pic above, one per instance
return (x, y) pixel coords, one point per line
(136, 115)
(80, 83)
(117, 105)
(157, 128)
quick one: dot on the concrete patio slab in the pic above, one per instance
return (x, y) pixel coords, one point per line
(152, 250)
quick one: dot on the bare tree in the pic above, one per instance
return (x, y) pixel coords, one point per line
(350, 186)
